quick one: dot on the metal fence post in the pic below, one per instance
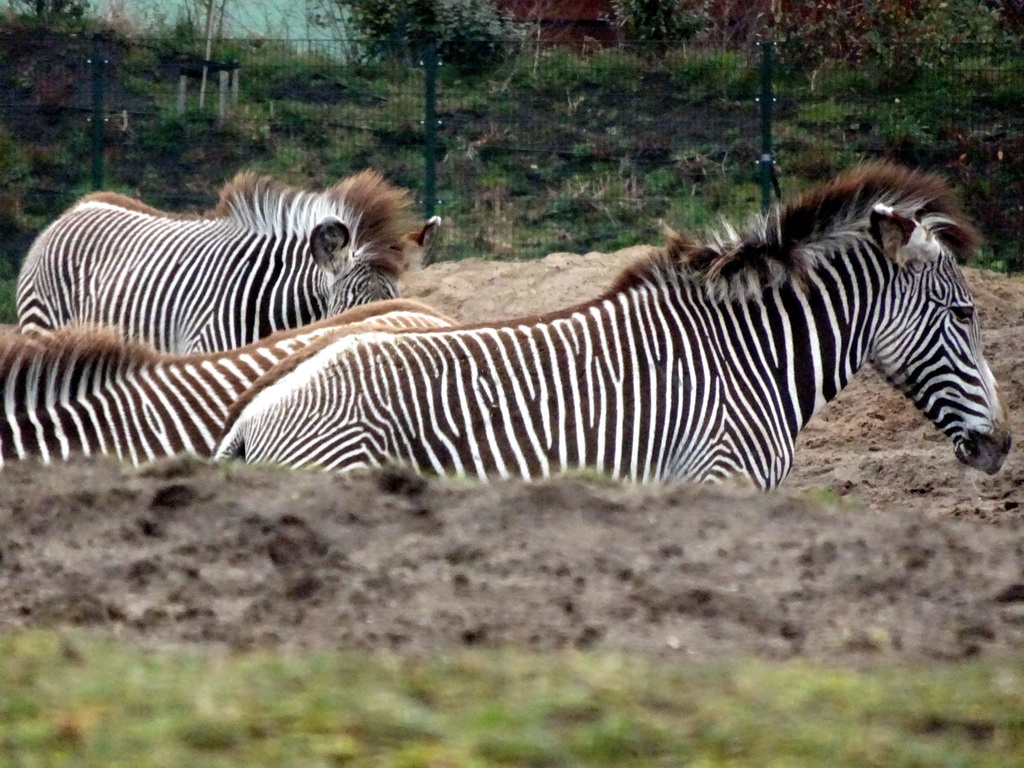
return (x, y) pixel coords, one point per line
(97, 63)
(430, 66)
(769, 181)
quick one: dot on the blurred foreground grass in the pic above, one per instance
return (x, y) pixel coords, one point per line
(71, 700)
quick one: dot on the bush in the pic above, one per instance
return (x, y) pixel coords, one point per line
(661, 21)
(65, 16)
(8, 306)
(468, 34)
(51, 9)
(897, 36)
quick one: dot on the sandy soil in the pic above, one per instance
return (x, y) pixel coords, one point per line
(912, 555)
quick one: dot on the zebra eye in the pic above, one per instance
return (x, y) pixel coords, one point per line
(963, 313)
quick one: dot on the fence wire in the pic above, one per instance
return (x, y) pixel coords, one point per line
(551, 149)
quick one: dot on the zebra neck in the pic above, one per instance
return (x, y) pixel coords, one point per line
(280, 291)
(826, 329)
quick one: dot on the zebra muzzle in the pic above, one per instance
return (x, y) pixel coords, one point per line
(984, 451)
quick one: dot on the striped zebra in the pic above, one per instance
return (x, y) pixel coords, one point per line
(266, 258)
(83, 391)
(703, 361)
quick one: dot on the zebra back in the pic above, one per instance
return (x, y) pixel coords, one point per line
(87, 390)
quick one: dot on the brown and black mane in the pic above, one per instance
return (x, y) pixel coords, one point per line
(131, 204)
(104, 344)
(785, 245)
(76, 343)
(385, 213)
(381, 213)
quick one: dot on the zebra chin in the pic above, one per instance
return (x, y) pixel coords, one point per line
(984, 451)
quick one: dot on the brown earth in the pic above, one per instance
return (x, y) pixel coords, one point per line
(879, 545)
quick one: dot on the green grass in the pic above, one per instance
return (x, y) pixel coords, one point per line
(77, 701)
(722, 74)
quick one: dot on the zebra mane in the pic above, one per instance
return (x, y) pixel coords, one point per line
(98, 344)
(132, 204)
(377, 214)
(788, 243)
(107, 345)
(374, 211)
(73, 344)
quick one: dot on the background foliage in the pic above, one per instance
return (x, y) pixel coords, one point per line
(468, 34)
(662, 22)
(898, 36)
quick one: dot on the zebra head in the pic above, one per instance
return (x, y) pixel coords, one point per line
(929, 342)
(372, 274)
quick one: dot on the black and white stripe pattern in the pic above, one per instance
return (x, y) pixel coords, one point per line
(703, 362)
(267, 258)
(85, 391)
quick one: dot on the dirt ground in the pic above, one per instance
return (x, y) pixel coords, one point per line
(880, 544)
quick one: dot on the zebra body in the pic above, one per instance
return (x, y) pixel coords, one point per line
(82, 391)
(702, 362)
(267, 258)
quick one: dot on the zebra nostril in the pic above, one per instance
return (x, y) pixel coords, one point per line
(971, 443)
(1006, 444)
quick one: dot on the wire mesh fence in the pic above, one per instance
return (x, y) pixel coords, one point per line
(550, 149)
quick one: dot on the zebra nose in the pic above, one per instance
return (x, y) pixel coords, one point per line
(984, 450)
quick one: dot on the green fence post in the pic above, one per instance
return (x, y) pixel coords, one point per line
(767, 162)
(97, 62)
(430, 67)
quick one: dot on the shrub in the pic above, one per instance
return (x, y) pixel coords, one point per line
(8, 306)
(898, 36)
(468, 34)
(660, 21)
(615, 69)
(64, 16)
(51, 9)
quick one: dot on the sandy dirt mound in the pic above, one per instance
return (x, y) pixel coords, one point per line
(185, 552)
(912, 555)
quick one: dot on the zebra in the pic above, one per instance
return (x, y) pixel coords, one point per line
(87, 390)
(266, 258)
(702, 362)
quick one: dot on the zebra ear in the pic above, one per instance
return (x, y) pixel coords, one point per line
(419, 246)
(329, 242)
(894, 232)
